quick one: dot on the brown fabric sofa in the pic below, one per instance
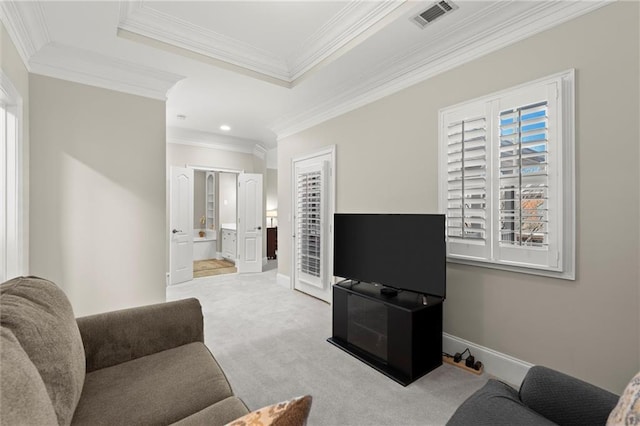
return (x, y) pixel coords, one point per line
(146, 365)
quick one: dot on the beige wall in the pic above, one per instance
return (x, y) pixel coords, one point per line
(14, 68)
(98, 194)
(387, 162)
(182, 155)
(272, 189)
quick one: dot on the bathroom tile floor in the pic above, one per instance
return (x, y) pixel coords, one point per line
(210, 267)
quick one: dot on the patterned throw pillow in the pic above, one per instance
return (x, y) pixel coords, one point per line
(288, 413)
(627, 412)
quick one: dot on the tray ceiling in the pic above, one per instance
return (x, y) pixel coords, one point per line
(265, 68)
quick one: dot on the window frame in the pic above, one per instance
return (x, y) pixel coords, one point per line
(563, 172)
(12, 186)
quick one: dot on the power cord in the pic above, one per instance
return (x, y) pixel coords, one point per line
(469, 361)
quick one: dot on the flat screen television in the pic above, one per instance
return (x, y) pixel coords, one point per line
(401, 251)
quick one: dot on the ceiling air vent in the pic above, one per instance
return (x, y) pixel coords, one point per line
(434, 12)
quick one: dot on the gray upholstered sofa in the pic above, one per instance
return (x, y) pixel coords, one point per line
(144, 365)
(546, 397)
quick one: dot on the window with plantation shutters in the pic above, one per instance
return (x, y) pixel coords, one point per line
(507, 180)
(12, 228)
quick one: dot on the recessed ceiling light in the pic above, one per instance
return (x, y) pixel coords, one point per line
(181, 117)
(225, 128)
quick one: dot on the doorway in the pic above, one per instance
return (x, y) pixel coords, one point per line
(215, 206)
(271, 211)
(214, 221)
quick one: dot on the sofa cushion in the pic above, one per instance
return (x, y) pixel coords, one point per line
(217, 414)
(40, 317)
(115, 337)
(23, 396)
(564, 399)
(157, 389)
(496, 404)
(287, 413)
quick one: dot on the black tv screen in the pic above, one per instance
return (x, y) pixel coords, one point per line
(403, 251)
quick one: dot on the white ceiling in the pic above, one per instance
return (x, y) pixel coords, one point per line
(265, 68)
(276, 27)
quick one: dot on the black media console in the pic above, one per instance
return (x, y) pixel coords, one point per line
(400, 336)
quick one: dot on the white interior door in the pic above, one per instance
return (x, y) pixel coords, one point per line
(312, 231)
(250, 219)
(181, 224)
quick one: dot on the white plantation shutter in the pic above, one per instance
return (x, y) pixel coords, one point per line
(526, 147)
(524, 182)
(310, 220)
(507, 180)
(467, 179)
(466, 183)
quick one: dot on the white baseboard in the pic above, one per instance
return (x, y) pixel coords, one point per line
(219, 255)
(283, 280)
(264, 261)
(502, 366)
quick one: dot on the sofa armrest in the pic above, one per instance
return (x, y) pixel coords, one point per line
(115, 337)
(565, 400)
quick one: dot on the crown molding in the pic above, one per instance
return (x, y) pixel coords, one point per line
(140, 22)
(9, 94)
(26, 25)
(25, 22)
(346, 26)
(200, 139)
(86, 67)
(502, 24)
(260, 152)
(138, 18)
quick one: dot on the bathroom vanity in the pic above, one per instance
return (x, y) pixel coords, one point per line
(229, 241)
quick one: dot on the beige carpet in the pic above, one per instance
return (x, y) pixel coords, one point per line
(271, 344)
(209, 267)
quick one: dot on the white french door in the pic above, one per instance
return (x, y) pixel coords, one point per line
(313, 208)
(250, 219)
(181, 224)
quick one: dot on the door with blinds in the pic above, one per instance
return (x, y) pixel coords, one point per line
(312, 239)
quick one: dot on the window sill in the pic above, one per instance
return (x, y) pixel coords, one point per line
(563, 275)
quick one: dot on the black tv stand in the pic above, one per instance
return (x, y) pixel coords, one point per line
(399, 336)
(388, 292)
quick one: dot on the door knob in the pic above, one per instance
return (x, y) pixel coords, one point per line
(259, 228)
(175, 231)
